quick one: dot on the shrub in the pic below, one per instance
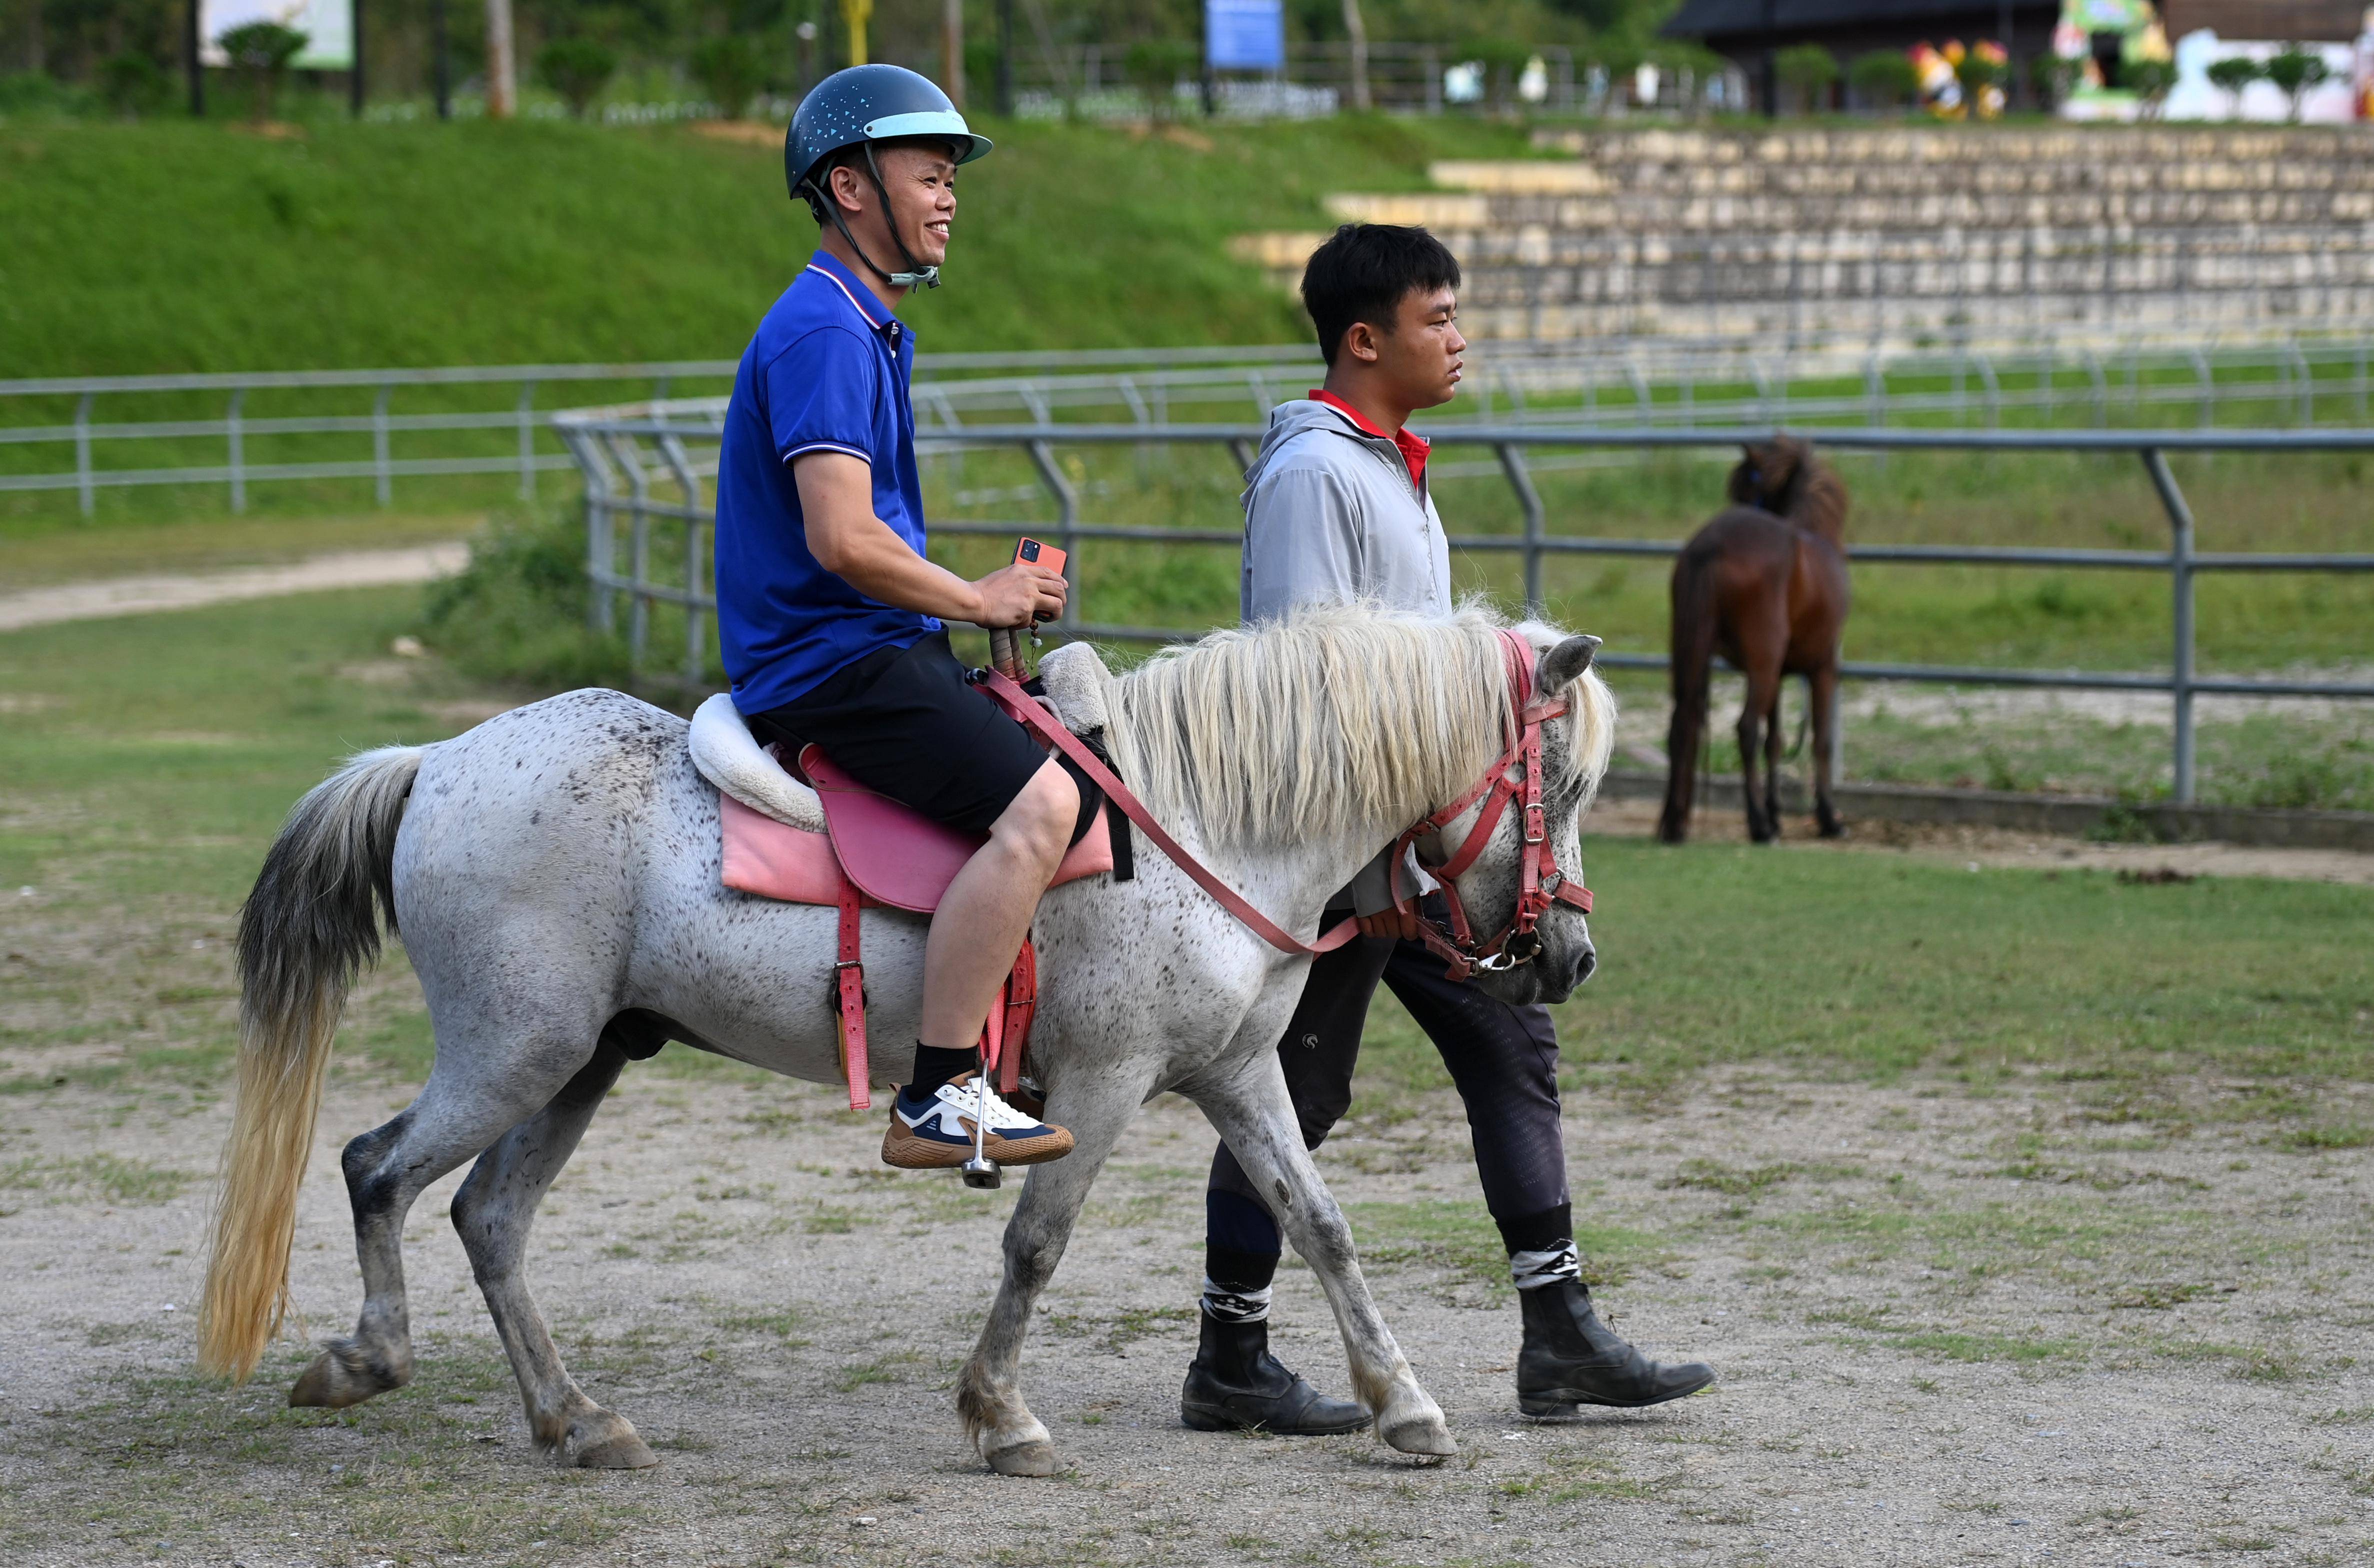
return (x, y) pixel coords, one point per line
(260, 53)
(2295, 72)
(1981, 67)
(1154, 67)
(131, 84)
(517, 611)
(38, 93)
(2054, 78)
(729, 72)
(1885, 77)
(1810, 69)
(2233, 77)
(2151, 81)
(578, 69)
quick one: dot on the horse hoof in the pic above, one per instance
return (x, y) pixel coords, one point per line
(1036, 1457)
(624, 1452)
(1426, 1434)
(336, 1378)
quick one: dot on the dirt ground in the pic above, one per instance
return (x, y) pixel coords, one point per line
(2023, 1327)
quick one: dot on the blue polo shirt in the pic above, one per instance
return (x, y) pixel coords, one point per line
(828, 371)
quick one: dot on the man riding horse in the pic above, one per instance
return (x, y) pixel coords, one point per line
(1338, 509)
(829, 612)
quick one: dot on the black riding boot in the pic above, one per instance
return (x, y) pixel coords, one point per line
(1235, 1382)
(1571, 1357)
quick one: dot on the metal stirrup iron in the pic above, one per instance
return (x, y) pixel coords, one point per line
(981, 1171)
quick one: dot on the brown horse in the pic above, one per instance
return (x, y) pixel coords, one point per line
(1765, 585)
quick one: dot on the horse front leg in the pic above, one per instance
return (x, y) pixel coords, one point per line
(989, 1393)
(1255, 1115)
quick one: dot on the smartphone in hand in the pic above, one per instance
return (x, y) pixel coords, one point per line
(1038, 554)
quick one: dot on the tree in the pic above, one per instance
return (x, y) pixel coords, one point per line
(1809, 68)
(1885, 77)
(2233, 77)
(729, 71)
(260, 53)
(2150, 81)
(578, 69)
(1154, 67)
(2295, 72)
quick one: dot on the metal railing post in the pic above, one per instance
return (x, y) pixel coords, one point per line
(1520, 479)
(527, 440)
(2179, 571)
(696, 624)
(1067, 522)
(85, 486)
(237, 450)
(601, 542)
(381, 479)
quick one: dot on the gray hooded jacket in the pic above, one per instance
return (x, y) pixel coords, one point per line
(1331, 516)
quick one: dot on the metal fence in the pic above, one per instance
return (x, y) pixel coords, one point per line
(351, 424)
(630, 457)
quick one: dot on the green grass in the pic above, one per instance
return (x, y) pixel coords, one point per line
(172, 246)
(151, 759)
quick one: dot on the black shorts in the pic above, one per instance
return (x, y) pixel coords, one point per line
(905, 722)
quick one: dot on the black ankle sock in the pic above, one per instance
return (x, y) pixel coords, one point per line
(936, 1065)
(1544, 1231)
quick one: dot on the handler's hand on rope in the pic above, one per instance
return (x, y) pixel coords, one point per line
(1015, 595)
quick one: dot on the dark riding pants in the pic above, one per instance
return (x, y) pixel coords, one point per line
(1502, 1058)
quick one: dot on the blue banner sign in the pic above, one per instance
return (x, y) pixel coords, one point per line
(1244, 35)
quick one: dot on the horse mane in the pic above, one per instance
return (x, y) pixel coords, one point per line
(1331, 718)
(1810, 493)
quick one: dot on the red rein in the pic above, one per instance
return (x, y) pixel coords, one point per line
(1540, 883)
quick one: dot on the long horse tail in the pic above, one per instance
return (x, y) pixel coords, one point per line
(310, 923)
(1694, 619)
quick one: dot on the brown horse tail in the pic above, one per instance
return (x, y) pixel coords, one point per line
(310, 923)
(1694, 620)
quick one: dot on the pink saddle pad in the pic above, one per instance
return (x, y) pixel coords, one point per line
(900, 858)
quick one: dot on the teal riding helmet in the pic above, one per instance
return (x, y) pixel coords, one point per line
(858, 107)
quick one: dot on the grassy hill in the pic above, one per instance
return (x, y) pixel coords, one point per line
(172, 246)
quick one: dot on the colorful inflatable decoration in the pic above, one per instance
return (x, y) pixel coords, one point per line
(1940, 72)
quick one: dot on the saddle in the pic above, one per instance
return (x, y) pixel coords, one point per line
(812, 834)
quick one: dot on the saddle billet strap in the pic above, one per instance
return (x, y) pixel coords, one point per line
(849, 997)
(1019, 703)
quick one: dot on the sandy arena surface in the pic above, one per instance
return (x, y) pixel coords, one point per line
(2015, 1328)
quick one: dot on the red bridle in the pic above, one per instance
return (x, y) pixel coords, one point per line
(1540, 882)
(1516, 776)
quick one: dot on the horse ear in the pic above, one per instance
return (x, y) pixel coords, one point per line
(1564, 664)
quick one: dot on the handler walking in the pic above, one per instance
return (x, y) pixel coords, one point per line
(830, 615)
(1336, 509)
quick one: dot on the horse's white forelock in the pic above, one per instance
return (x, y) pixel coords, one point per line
(1334, 718)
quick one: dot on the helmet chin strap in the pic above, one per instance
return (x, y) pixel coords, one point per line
(916, 275)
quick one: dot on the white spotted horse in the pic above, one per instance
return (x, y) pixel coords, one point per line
(555, 874)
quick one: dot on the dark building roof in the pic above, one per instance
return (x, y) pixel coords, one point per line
(2331, 21)
(1713, 20)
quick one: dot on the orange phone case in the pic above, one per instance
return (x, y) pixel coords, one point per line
(1049, 556)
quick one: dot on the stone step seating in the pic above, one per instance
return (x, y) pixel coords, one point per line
(1900, 229)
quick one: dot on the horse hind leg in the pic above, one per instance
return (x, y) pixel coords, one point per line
(386, 1170)
(1822, 695)
(1773, 731)
(493, 1213)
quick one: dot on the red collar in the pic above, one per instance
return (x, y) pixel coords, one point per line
(1413, 448)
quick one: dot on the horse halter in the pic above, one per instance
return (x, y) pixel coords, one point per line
(1540, 884)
